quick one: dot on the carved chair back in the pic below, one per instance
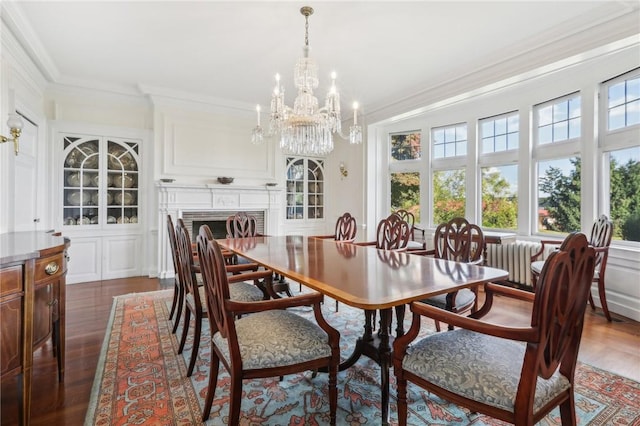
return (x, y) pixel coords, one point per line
(407, 216)
(393, 233)
(173, 243)
(346, 228)
(459, 240)
(242, 225)
(601, 234)
(559, 305)
(214, 274)
(185, 258)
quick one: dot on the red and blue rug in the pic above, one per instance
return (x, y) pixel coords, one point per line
(141, 380)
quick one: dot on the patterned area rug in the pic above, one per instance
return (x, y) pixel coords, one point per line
(141, 380)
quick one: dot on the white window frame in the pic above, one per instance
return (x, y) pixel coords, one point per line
(568, 148)
(613, 140)
(407, 166)
(499, 159)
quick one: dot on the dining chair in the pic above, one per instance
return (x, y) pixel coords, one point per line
(270, 341)
(392, 233)
(515, 374)
(243, 225)
(410, 218)
(194, 302)
(345, 231)
(600, 239)
(460, 241)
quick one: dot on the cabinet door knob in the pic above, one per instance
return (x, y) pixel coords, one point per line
(51, 268)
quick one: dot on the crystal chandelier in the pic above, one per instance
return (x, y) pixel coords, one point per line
(306, 129)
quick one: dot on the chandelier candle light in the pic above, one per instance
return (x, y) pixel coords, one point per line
(306, 129)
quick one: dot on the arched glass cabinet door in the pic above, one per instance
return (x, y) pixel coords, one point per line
(305, 189)
(81, 178)
(100, 181)
(122, 182)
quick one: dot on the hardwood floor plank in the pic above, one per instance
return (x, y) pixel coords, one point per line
(610, 346)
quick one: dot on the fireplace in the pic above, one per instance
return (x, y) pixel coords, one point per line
(217, 221)
(213, 204)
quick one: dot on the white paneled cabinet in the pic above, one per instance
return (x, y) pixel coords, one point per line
(100, 203)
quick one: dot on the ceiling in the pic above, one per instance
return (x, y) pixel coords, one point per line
(230, 50)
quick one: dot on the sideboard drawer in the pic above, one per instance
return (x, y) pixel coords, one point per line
(10, 280)
(50, 267)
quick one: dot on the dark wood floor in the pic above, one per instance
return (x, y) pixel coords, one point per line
(611, 346)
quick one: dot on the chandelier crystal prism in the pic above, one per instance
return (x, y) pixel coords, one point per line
(306, 129)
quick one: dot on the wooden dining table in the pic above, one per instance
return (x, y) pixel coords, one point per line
(363, 277)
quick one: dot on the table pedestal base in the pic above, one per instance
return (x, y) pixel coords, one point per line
(378, 348)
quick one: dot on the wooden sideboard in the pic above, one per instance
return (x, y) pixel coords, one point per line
(33, 266)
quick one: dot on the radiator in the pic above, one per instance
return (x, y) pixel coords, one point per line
(515, 258)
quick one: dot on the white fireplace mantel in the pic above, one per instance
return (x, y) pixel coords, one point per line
(175, 198)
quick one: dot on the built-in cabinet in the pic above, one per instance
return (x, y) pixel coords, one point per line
(101, 203)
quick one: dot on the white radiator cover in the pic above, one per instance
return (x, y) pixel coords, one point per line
(515, 258)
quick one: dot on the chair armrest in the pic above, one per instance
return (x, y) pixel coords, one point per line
(544, 243)
(234, 269)
(266, 305)
(250, 276)
(492, 289)
(523, 334)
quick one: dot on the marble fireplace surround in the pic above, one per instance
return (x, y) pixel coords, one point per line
(212, 202)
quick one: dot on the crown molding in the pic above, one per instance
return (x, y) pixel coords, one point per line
(163, 95)
(14, 19)
(606, 29)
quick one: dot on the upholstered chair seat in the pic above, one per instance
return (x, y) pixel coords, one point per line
(415, 245)
(275, 339)
(464, 297)
(536, 267)
(243, 292)
(444, 360)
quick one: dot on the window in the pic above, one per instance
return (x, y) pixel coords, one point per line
(405, 193)
(449, 197)
(305, 189)
(405, 146)
(500, 133)
(559, 120)
(500, 197)
(450, 141)
(559, 195)
(624, 193)
(623, 103)
(620, 144)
